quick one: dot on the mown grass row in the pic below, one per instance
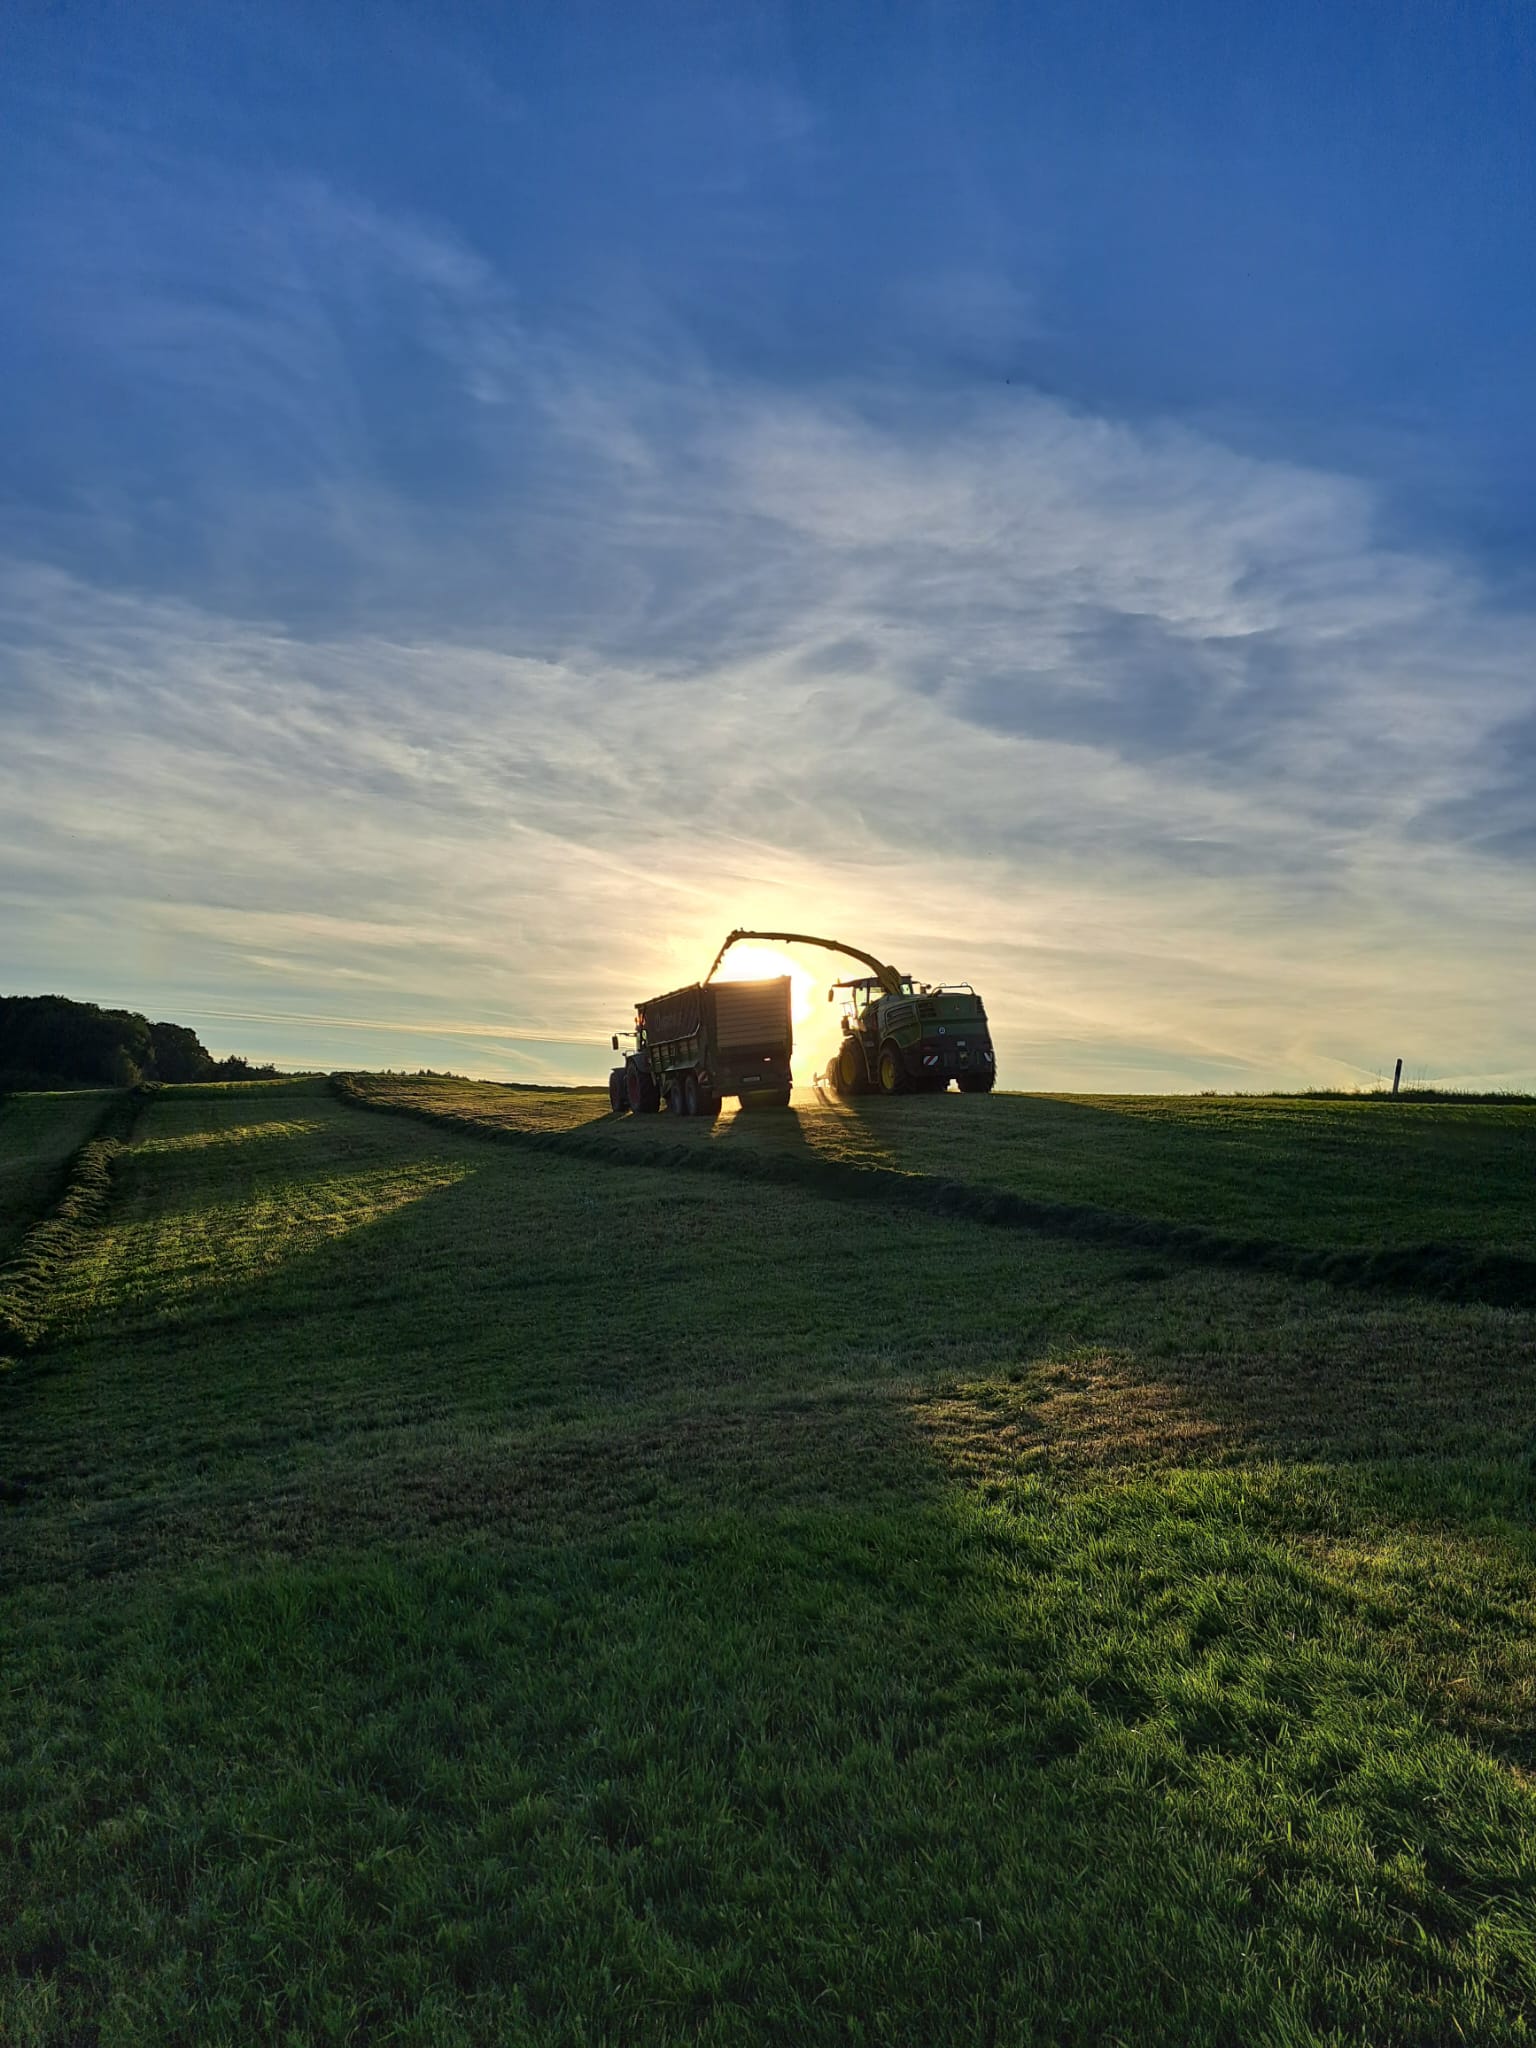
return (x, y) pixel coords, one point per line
(1446, 1272)
(28, 1277)
(41, 1135)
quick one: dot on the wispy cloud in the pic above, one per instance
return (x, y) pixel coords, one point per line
(512, 707)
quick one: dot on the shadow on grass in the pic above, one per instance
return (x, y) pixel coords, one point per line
(585, 1674)
(426, 1343)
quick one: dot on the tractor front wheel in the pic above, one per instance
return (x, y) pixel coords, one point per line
(618, 1093)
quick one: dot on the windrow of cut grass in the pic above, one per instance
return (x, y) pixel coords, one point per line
(906, 1151)
(452, 1595)
(28, 1277)
(40, 1135)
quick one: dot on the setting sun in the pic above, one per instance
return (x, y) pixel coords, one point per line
(760, 963)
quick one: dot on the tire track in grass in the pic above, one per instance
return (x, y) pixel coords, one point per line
(1446, 1272)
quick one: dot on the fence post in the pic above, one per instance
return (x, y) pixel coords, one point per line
(1397, 1076)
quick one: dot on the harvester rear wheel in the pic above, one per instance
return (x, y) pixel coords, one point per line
(980, 1081)
(893, 1071)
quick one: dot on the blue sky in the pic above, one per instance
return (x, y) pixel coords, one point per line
(491, 498)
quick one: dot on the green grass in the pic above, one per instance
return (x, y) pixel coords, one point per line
(458, 1594)
(39, 1134)
(1335, 1173)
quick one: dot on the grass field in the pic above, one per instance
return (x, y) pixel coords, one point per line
(1316, 1173)
(456, 1593)
(38, 1135)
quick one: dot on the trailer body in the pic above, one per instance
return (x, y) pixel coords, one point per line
(696, 1045)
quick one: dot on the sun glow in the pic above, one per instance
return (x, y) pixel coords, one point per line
(762, 963)
(816, 1023)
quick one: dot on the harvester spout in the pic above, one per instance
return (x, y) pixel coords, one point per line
(886, 975)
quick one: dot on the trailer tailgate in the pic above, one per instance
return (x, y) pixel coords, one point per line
(754, 1013)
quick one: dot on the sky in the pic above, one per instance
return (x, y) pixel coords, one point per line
(492, 499)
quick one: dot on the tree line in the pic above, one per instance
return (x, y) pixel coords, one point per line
(53, 1042)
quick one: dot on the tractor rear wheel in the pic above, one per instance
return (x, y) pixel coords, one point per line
(893, 1071)
(644, 1095)
(980, 1081)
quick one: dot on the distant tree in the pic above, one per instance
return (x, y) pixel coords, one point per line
(54, 1042)
(179, 1054)
(236, 1069)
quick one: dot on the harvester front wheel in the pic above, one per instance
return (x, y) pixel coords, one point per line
(893, 1071)
(851, 1078)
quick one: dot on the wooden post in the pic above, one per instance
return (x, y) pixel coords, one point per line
(1397, 1076)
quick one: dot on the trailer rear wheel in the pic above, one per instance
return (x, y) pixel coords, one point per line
(675, 1103)
(766, 1098)
(693, 1096)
